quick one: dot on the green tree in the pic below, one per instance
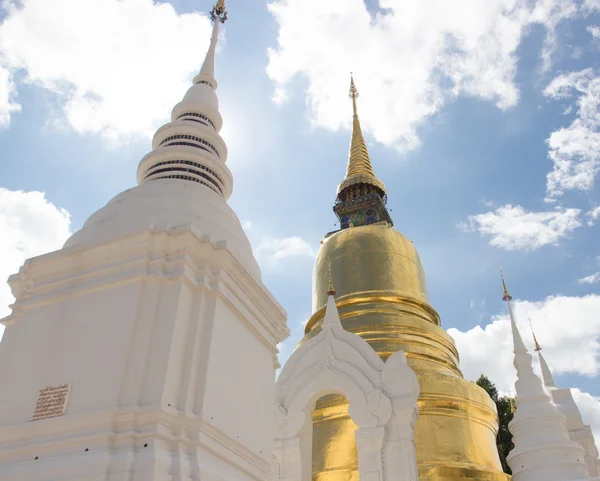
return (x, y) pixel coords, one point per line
(505, 414)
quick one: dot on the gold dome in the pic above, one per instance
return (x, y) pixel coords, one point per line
(374, 251)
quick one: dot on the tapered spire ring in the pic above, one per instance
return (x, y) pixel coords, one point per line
(361, 179)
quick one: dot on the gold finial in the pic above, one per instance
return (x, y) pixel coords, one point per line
(505, 296)
(513, 406)
(538, 348)
(359, 170)
(353, 94)
(359, 161)
(331, 290)
(219, 12)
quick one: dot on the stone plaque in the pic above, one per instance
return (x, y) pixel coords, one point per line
(51, 402)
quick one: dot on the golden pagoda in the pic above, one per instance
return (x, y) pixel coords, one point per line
(382, 297)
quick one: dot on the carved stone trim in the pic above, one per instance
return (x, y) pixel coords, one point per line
(382, 397)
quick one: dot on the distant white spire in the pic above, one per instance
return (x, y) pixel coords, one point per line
(543, 450)
(525, 384)
(546, 373)
(566, 405)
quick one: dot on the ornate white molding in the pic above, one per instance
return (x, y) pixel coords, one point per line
(382, 397)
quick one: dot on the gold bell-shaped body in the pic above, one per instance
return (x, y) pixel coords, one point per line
(382, 297)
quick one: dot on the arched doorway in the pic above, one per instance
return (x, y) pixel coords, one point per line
(331, 423)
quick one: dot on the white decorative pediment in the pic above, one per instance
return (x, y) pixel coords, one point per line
(381, 397)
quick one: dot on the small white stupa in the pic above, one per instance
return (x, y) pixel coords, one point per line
(566, 405)
(543, 450)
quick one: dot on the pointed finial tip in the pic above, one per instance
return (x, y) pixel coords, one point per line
(219, 12)
(331, 290)
(538, 348)
(353, 93)
(505, 295)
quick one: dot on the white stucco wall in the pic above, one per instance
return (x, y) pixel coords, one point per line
(169, 346)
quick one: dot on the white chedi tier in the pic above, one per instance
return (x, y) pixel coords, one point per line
(543, 450)
(188, 153)
(578, 431)
(145, 348)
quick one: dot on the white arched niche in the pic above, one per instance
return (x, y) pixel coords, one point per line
(382, 402)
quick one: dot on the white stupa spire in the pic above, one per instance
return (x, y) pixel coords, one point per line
(525, 384)
(207, 72)
(543, 450)
(183, 182)
(546, 373)
(190, 147)
(208, 67)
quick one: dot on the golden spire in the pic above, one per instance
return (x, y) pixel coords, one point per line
(359, 170)
(505, 295)
(538, 348)
(219, 12)
(331, 290)
(359, 161)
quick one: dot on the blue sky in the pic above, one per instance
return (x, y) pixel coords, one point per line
(466, 114)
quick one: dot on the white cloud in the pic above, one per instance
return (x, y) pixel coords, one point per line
(568, 328)
(594, 30)
(272, 251)
(423, 53)
(117, 67)
(593, 215)
(30, 226)
(487, 351)
(575, 150)
(7, 97)
(591, 279)
(550, 13)
(513, 228)
(592, 5)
